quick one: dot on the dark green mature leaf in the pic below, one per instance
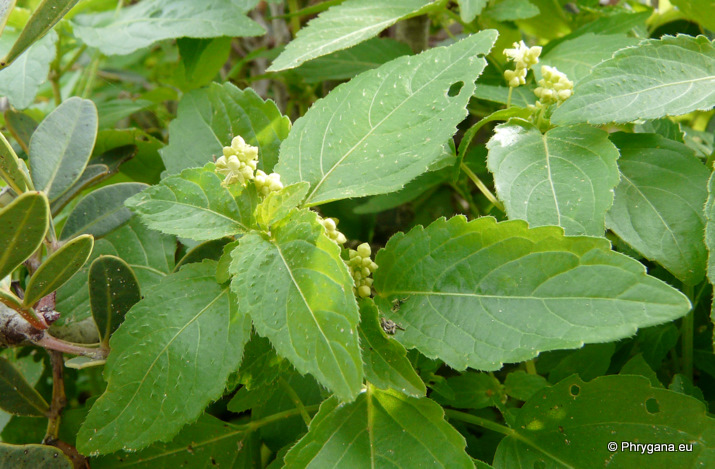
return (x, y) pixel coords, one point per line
(366, 138)
(380, 429)
(668, 76)
(24, 224)
(209, 118)
(179, 344)
(18, 396)
(141, 25)
(201, 60)
(92, 174)
(521, 96)
(101, 211)
(572, 423)
(58, 269)
(511, 10)
(261, 366)
(298, 292)
(664, 127)
(21, 80)
(385, 360)
(482, 293)
(564, 177)
(521, 385)
(470, 391)
(344, 25)
(212, 250)
(62, 145)
(277, 205)
(21, 126)
(10, 169)
(33, 457)
(658, 204)
(469, 9)
(196, 205)
(113, 290)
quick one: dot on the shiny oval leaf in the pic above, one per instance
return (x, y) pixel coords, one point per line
(18, 396)
(24, 222)
(113, 290)
(33, 457)
(10, 169)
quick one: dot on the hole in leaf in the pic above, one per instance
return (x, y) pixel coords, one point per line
(652, 406)
(455, 89)
(575, 390)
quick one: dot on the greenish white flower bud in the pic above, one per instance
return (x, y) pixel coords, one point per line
(361, 267)
(554, 87)
(331, 230)
(238, 163)
(267, 183)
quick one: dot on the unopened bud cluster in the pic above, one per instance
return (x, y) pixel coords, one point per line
(361, 268)
(554, 87)
(238, 164)
(267, 183)
(331, 230)
(524, 58)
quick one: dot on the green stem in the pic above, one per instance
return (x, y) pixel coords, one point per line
(277, 417)
(56, 73)
(481, 421)
(483, 188)
(687, 332)
(66, 68)
(472, 206)
(508, 98)
(296, 400)
(531, 367)
(294, 19)
(466, 26)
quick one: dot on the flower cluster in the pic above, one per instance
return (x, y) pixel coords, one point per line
(267, 183)
(331, 230)
(361, 268)
(554, 87)
(238, 162)
(524, 58)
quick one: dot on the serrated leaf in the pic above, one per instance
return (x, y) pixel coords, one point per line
(62, 145)
(10, 169)
(222, 273)
(512, 10)
(564, 177)
(470, 9)
(195, 205)
(481, 293)
(261, 366)
(521, 385)
(664, 127)
(179, 344)
(659, 77)
(366, 137)
(33, 457)
(21, 80)
(24, 221)
(58, 269)
(209, 118)
(298, 292)
(113, 290)
(278, 204)
(212, 250)
(102, 211)
(18, 396)
(141, 25)
(385, 360)
(658, 203)
(342, 26)
(380, 429)
(572, 423)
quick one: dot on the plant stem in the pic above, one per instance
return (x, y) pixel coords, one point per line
(687, 332)
(59, 399)
(256, 424)
(296, 400)
(294, 19)
(508, 97)
(531, 367)
(53, 343)
(56, 73)
(483, 188)
(66, 68)
(476, 420)
(472, 206)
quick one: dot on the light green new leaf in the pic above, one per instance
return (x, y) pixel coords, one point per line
(511, 10)
(386, 126)
(481, 293)
(298, 292)
(18, 396)
(113, 290)
(380, 429)
(10, 169)
(195, 205)
(572, 423)
(101, 211)
(178, 345)
(345, 25)
(658, 206)
(33, 457)
(564, 177)
(21, 80)
(470, 9)
(58, 269)
(278, 204)
(207, 120)
(62, 145)
(141, 25)
(700, 11)
(24, 223)
(659, 77)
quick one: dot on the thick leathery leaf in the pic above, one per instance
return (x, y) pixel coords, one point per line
(483, 293)
(298, 292)
(24, 224)
(470, 9)
(380, 429)
(58, 269)
(62, 145)
(564, 177)
(207, 120)
(366, 137)
(342, 26)
(113, 290)
(658, 206)
(101, 211)
(278, 204)
(33, 457)
(659, 77)
(385, 359)
(195, 205)
(18, 396)
(92, 174)
(10, 169)
(179, 344)
(141, 25)
(572, 423)
(21, 126)
(21, 80)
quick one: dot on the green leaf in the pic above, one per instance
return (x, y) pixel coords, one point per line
(21, 126)
(380, 429)
(623, 22)
(21, 80)
(521, 385)
(224, 262)
(62, 145)
(179, 344)
(91, 175)
(658, 203)
(201, 61)
(212, 250)
(571, 424)
(482, 293)
(18, 396)
(58, 269)
(664, 127)
(588, 362)
(33, 457)
(195, 205)
(113, 290)
(5, 9)
(141, 25)
(522, 96)
(564, 177)
(298, 292)
(385, 360)
(10, 169)
(471, 391)
(699, 11)
(277, 205)
(667, 76)
(24, 221)
(511, 10)
(363, 139)
(101, 211)
(470, 9)
(344, 25)
(261, 366)
(207, 120)
(639, 367)
(43, 18)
